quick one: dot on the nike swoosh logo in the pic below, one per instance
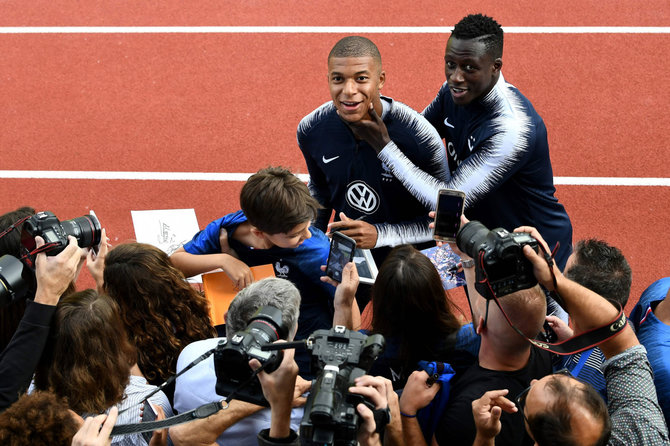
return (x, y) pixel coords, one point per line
(446, 122)
(327, 160)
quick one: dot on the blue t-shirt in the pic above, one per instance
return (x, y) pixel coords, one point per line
(301, 265)
(655, 336)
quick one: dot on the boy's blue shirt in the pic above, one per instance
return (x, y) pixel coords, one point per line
(301, 265)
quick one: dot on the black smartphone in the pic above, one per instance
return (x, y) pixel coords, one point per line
(148, 414)
(341, 252)
(450, 204)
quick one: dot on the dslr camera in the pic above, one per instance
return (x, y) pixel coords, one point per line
(232, 356)
(85, 229)
(15, 280)
(499, 258)
(338, 357)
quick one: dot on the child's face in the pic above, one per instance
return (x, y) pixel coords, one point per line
(292, 238)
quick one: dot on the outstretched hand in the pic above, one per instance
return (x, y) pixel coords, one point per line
(540, 267)
(487, 411)
(373, 132)
(345, 291)
(362, 232)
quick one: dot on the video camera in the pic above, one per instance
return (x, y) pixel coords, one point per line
(339, 356)
(15, 280)
(500, 265)
(232, 356)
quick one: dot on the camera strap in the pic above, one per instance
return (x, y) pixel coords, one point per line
(575, 344)
(202, 411)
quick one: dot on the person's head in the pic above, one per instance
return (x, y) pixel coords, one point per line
(473, 58)
(355, 77)
(526, 310)
(279, 293)
(409, 302)
(40, 418)
(279, 206)
(560, 410)
(90, 358)
(160, 310)
(601, 268)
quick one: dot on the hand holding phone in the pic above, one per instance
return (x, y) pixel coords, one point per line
(341, 252)
(450, 204)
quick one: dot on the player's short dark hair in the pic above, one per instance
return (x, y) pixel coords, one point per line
(274, 200)
(603, 269)
(552, 427)
(484, 28)
(356, 46)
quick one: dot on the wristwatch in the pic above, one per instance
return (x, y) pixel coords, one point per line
(467, 263)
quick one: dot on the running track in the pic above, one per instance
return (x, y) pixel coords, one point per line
(212, 97)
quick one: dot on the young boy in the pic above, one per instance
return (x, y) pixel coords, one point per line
(273, 227)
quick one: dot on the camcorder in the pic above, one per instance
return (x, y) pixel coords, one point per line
(232, 356)
(339, 356)
(17, 276)
(500, 265)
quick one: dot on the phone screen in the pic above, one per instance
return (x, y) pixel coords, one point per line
(341, 252)
(148, 414)
(448, 214)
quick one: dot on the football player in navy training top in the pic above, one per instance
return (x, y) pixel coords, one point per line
(496, 142)
(372, 206)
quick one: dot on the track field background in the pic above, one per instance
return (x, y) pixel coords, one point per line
(126, 105)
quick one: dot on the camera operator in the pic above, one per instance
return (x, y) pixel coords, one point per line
(54, 274)
(559, 409)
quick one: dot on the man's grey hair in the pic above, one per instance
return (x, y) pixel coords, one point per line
(279, 293)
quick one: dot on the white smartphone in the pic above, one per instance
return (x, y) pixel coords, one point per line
(450, 204)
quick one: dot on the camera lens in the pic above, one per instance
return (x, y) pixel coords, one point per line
(12, 284)
(85, 229)
(470, 237)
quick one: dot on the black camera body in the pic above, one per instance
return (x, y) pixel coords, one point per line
(85, 229)
(499, 257)
(17, 281)
(232, 356)
(339, 356)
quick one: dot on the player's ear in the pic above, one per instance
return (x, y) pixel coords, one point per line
(382, 79)
(497, 65)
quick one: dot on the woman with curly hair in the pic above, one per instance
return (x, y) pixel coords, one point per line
(414, 314)
(91, 364)
(161, 312)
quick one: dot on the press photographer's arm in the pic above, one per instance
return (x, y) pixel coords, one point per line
(19, 359)
(587, 309)
(278, 390)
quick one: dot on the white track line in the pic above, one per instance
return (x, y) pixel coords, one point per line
(323, 29)
(240, 177)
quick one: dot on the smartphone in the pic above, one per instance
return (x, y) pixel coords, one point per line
(341, 252)
(450, 204)
(148, 414)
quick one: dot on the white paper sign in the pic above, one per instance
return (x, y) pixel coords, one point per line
(166, 229)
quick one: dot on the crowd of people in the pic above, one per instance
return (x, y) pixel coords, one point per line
(142, 346)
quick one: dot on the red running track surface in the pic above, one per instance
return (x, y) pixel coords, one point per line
(230, 102)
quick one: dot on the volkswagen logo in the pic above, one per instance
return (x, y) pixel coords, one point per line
(362, 197)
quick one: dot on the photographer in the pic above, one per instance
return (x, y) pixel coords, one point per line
(197, 386)
(54, 274)
(559, 409)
